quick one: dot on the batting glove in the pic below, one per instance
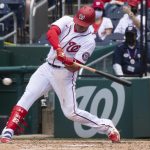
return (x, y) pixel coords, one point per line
(61, 57)
(68, 61)
(60, 54)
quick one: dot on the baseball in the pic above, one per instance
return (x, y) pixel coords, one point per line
(7, 81)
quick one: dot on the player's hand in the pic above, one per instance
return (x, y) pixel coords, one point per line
(68, 61)
(60, 54)
(61, 57)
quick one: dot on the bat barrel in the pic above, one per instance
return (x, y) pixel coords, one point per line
(114, 78)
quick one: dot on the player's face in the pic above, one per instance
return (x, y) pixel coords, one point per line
(80, 29)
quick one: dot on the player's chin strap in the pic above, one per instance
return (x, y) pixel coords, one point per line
(16, 119)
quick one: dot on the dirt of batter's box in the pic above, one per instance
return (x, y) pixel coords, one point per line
(75, 144)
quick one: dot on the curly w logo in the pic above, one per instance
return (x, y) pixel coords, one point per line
(73, 47)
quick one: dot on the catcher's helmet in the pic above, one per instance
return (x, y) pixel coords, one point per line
(85, 16)
(131, 30)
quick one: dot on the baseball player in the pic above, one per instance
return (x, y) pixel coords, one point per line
(71, 41)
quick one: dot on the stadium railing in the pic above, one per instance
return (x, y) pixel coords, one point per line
(12, 33)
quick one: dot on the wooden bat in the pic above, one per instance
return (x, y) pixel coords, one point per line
(106, 75)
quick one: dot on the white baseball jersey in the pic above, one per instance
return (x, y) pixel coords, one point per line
(106, 24)
(126, 21)
(75, 45)
(47, 77)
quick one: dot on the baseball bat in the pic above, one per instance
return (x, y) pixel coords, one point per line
(106, 75)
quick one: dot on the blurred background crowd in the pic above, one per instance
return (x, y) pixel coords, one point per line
(112, 16)
(27, 21)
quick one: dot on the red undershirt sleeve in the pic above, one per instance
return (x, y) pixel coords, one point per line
(52, 36)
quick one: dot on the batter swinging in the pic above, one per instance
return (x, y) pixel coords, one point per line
(71, 40)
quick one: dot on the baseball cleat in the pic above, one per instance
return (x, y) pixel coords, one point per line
(5, 140)
(6, 135)
(114, 136)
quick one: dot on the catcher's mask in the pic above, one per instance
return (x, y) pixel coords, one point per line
(130, 35)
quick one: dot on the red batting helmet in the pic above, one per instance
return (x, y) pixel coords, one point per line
(98, 4)
(85, 16)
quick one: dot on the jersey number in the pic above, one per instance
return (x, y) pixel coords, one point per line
(73, 47)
